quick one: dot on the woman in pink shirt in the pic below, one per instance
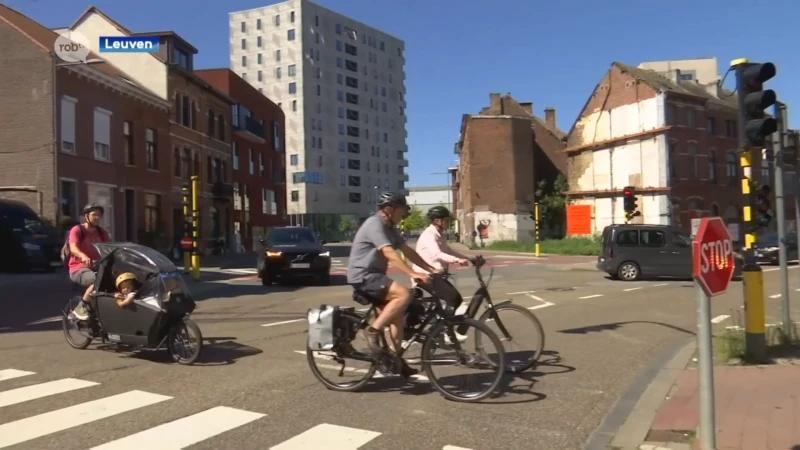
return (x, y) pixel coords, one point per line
(432, 246)
(83, 255)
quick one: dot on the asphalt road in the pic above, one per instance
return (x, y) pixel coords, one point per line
(253, 388)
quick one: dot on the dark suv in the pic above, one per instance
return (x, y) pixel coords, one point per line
(294, 252)
(630, 252)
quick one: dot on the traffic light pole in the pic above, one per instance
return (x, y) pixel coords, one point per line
(187, 203)
(780, 114)
(536, 217)
(195, 227)
(752, 276)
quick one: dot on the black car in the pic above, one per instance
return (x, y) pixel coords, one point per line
(630, 252)
(293, 252)
(768, 248)
(27, 242)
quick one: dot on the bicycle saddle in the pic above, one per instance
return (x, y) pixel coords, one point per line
(364, 298)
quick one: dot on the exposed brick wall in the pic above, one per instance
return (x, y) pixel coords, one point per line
(26, 121)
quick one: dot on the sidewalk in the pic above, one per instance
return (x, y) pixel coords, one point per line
(459, 247)
(757, 408)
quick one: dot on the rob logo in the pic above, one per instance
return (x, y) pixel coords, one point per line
(72, 47)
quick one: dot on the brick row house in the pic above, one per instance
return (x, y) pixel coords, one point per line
(673, 139)
(78, 133)
(259, 182)
(504, 151)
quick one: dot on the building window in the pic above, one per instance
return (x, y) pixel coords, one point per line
(290, 34)
(277, 55)
(292, 88)
(221, 130)
(68, 124)
(150, 149)
(235, 153)
(258, 24)
(291, 17)
(252, 163)
(293, 160)
(354, 197)
(711, 126)
(319, 90)
(244, 44)
(276, 135)
(278, 72)
(260, 76)
(277, 20)
(69, 199)
(712, 167)
(294, 105)
(152, 208)
(691, 118)
(338, 28)
(268, 204)
(244, 60)
(695, 161)
(340, 95)
(295, 196)
(732, 168)
(292, 71)
(102, 135)
(669, 114)
(259, 58)
(127, 132)
(672, 153)
(339, 62)
(244, 27)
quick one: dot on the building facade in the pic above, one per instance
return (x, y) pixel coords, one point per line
(341, 84)
(95, 137)
(426, 197)
(200, 134)
(674, 140)
(704, 71)
(504, 151)
(259, 173)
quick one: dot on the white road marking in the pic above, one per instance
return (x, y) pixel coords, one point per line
(543, 303)
(520, 292)
(499, 265)
(186, 431)
(23, 430)
(772, 269)
(329, 437)
(775, 296)
(43, 321)
(590, 296)
(661, 284)
(241, 271)
(526, 264)
(631, 289)
(453, 447)
(282, 323)
(719, 319)
(41, 390)
(10, 374)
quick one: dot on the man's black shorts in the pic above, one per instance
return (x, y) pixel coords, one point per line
(375, 285)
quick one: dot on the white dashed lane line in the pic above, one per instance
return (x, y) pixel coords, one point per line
(719, 319)
(590, 296)
(631, 289)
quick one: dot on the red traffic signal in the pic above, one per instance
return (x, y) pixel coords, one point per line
(627, 192)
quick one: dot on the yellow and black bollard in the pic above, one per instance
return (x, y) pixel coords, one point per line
(186, 191)
(196, 228)
(536, 217)
(752, 275)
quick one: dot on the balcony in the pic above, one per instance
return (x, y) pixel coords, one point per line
(405, 162)
(247, 127)
(222, 191)
(404, 177)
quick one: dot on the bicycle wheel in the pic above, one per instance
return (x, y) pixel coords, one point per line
(443, 337)
(81, 327)
(339, 363)
(516, 326)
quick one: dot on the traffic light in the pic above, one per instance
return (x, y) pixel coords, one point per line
(753, 100)
(629, 194)
(763, 206)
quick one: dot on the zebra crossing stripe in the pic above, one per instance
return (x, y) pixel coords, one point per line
(10, 374)
(36, 391)
(186, 431)
(23, 430)
(329, 437)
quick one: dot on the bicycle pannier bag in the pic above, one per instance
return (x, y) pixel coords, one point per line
(321, 323)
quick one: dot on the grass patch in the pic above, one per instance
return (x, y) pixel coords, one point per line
(586, 246)
(730, 343)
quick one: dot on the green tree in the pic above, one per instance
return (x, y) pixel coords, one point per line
(415, 220)
(347, 224)
(553, 204)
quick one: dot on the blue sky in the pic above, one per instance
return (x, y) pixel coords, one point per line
(457, 52)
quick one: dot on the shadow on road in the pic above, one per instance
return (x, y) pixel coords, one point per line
(617, 325)
(217, 351)
(241, 290)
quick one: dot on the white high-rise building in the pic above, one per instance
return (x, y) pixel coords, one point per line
(341, 84)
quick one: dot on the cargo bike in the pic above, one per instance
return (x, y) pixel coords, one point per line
(159, 318)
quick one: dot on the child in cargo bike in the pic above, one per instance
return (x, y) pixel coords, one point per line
(128, 286)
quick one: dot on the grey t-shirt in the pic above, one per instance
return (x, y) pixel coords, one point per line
(365, 255)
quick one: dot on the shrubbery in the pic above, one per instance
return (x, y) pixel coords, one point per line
(588, 246)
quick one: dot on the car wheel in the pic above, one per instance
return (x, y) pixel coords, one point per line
(266, 279)
(324, 279)
(629, 271)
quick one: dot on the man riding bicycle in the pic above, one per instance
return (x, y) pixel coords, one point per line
(83, 254)
(374, 246)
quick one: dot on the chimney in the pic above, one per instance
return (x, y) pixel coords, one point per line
(550, 117)
(675, 76)
(496, 105)
(527, 107)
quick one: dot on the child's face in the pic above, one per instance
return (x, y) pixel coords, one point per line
(126, 287)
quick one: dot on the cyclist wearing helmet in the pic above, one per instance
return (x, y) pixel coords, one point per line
(82, 253)
(432, 246)
(374, 247)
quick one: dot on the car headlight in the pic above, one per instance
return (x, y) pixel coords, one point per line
(273, 254)
(325, 254)
(31, 247)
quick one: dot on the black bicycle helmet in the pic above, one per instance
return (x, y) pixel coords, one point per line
(391, 199)
(92, 207)
(438, 212)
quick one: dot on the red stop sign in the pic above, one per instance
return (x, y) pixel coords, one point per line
(713, 256)
(187, 243)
